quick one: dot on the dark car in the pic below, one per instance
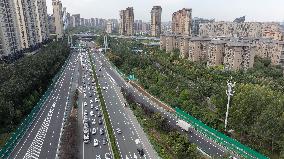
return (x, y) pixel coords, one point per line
(100, 121)
(141, 152)
(104, 141)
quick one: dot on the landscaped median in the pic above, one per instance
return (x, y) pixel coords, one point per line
(106, 117)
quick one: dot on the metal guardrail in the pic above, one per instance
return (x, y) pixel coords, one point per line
(227, 142)
(27, 122)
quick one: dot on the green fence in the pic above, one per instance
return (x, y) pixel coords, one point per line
(225, 141)
(27, 122)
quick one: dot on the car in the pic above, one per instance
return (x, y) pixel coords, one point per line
(86, 125)
(118, 130)
(85, 130)
(92, 113)
(104, 88)
(92, 106)
(97, 108)
(86, 138)
(85, 113)
(100, 121)
(98, 157)
(96, 100)
(102, 131)
(90, 95)
(85, 103)
(104, 141)
(125, 105)
(94, 131)
(99, 113)
(96, 142)
(140, 152)
(93, 122)
(107, 156)
(91, 101)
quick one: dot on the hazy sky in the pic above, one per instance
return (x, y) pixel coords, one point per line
(227, 10)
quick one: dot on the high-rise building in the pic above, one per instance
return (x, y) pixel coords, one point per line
(58, 17)
(126, 26)
(9, 35)
(181, 22)
(82, 22)
(109, 27)
(156, 13)
(196, 22)
(138, 26)
(76, 20)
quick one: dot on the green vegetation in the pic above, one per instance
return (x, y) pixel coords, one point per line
(167, 142)
(256, 113)
(23, 83)
(106, 117)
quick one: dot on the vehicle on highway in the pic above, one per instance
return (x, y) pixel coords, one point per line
(85, 113)
(96, 142)
(118, 130)
(86, 130)
(90, 95)
(92, 113)
(85, 96)
(94, 131)
(93, 122)
(92, 106)
(140, 152)
(99, 113)
(100, 121)
(98, 157)
(125, 105)
(107, 156)
(86, 138)
(86, 125)
(104, 141)
(97, 108)
(183, 125)
(104, 88)
(96, 100)
(91, 101)
(102, 131)
(85, 103)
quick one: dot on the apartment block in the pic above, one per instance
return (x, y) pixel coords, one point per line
(9, 35)
(76, 20)
(197, 22)
(109, 28)
(156, 14)
(198, 48)
(184, 47)
(216, 51)
(58, 18)
(126, 26)
(246, 29)
(181, 22)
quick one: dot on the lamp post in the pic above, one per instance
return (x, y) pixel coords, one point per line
(229, 93)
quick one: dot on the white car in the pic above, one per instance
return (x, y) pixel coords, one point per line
(118, 131)
(91, 101)
(85, 103)
(86, 113)
(107, 156)
(92, 113)
(96, 100)
(93, 122)
(98, 157)
(94, 131)
(85, 96)
(96, 142)
(92, 106)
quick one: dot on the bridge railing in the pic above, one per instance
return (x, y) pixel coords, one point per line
(225, 141)
(27, 122)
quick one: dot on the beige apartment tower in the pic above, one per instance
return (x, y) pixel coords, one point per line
(126, 26)
(156, 14)
(58, 17)
(182, 21)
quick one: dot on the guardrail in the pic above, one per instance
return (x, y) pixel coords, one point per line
(225, 141)
(28, 121)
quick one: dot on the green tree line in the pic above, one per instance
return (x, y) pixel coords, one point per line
(23, 82)
(256, 113)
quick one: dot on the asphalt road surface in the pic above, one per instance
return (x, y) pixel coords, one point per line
(204, 144)
(42, 138)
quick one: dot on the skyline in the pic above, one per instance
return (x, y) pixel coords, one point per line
(213, 9)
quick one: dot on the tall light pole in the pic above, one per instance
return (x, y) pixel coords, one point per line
(229, 93)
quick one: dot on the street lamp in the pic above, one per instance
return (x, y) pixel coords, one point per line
(229, 93)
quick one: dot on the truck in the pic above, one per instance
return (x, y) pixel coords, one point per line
(183, 125)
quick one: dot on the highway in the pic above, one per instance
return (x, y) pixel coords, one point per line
(89, 96)
(130, 139)
(42, 138)
(204, 144)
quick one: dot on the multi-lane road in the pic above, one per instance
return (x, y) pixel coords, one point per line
(203, 143)
(42, 138)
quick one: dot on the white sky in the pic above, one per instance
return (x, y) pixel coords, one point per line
(226, 10)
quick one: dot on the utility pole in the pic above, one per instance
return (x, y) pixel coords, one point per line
(229, 93)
